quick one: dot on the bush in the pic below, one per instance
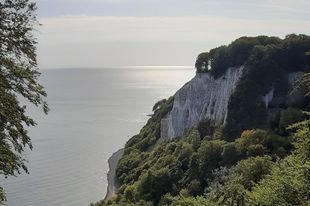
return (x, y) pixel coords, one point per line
(289, 116)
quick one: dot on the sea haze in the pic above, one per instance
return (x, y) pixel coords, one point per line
(93, 113)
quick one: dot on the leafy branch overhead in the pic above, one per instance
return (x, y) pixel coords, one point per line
(18, 80)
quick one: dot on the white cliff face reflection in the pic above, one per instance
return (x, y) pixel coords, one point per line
(93, 113)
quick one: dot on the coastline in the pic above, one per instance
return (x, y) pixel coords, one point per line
(111, 176)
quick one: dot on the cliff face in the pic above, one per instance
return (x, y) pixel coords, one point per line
(204, 97)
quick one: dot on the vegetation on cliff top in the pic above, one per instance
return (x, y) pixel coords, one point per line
(266, 68)
(255, 158)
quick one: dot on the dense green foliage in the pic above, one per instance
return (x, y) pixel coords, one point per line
(18, 79)
(127, 170)
(292, 53)
(231, 185)
(255, 158)
(265, 69)
(305, 82)
(252, 180)
(289, 181)
(217, 60)
(186, 165)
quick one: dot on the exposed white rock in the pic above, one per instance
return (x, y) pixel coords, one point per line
(268, 97)
(204, 97)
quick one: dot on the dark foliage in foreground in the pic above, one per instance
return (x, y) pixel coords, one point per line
(18, 79)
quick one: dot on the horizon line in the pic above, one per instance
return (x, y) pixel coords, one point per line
(124, 67)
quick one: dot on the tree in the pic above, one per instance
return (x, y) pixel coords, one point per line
(304, 81)
(288, 117)
(18, 80)
(205, 128)
(229, 186)
(289, 181)
(182, 200)
(259, 142)
(155, 184)
(210, 156)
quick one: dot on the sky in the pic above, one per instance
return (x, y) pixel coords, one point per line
(122, 33)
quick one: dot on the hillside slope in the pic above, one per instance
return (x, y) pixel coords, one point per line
(224, 136)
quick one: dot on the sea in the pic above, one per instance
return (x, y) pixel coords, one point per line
(93, 112)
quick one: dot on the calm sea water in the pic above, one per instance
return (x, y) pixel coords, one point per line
(93, 113)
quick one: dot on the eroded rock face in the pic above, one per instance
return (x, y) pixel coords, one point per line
(204, 97)
(268, 97)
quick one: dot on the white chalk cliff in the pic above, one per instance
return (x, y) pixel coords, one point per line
(204, 97)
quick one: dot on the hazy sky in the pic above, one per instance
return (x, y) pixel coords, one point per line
(112, 33)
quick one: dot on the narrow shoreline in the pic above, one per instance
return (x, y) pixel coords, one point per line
(111, 176)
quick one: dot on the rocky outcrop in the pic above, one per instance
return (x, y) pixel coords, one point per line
(204, 97)
(268, 97)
